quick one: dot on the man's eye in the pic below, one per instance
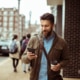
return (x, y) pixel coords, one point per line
(42, 26)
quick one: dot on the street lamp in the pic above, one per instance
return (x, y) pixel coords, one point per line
(18, 18)
(30, 13)
(18, 5)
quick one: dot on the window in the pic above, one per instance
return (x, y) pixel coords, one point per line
(20, 23)
(5, 29)
(11, 24)
(5, 19)
(5, 24)
(10, 29)
(5, 13)
(11, 13)
(11, 18)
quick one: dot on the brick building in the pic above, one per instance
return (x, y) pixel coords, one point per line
(11, 22)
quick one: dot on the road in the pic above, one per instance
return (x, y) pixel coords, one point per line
(2, 58)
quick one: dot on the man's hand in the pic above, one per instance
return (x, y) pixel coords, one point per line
(56, 67)
(31, 55)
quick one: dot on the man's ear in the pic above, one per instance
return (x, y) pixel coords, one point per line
(54, 26)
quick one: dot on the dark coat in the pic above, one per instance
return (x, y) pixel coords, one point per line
(58, 51)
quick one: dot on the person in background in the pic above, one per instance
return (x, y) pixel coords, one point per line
(51, 52)
(24, 45)
(21, 41)
(15, 56)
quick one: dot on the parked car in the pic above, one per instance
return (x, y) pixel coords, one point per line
(4, 47)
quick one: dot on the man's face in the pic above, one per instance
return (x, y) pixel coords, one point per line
(46, 27)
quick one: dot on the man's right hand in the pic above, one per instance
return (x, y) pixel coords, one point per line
(31, 55)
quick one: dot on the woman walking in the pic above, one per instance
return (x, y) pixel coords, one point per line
(14, 52)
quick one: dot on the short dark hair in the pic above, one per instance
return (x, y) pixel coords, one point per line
(15, 36)
(24, 37)
(28, 35)
(47, 16)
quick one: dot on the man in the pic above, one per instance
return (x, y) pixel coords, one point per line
(46, 63)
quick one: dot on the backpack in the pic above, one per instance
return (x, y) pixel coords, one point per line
(24, 44)
(13, 47)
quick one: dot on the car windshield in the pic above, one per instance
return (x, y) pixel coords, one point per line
(5, 42)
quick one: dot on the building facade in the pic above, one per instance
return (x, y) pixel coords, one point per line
(11, 23)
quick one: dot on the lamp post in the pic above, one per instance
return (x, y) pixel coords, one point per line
(18, 5)
(18, 18)
(30, 13)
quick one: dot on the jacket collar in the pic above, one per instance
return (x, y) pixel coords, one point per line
(54, 42)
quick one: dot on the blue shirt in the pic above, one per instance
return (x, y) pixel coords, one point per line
(43, 68)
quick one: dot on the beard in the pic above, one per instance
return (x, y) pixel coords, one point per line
(47, 33)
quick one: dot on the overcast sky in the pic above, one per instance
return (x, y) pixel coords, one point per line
(37, 7)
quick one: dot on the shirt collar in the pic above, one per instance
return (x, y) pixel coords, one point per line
(50, 37)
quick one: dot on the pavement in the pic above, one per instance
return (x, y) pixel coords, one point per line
(6, 72)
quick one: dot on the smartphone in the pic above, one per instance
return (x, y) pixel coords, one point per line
(31, 50)
(55, 62)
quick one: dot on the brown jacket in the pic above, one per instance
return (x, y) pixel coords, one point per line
(57, 52)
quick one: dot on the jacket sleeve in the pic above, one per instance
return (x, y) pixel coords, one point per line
(24, 56)
(65, 56)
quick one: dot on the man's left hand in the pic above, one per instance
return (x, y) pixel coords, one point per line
(56, 67)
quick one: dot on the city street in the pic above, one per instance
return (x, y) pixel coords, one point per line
(57, 26)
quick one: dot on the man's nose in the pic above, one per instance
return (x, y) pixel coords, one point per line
(43, 28)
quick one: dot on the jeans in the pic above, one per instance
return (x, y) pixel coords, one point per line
(24, 66)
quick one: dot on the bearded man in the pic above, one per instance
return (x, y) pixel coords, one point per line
(51, 52)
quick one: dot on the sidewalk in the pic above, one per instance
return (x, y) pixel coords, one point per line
(6, 71)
